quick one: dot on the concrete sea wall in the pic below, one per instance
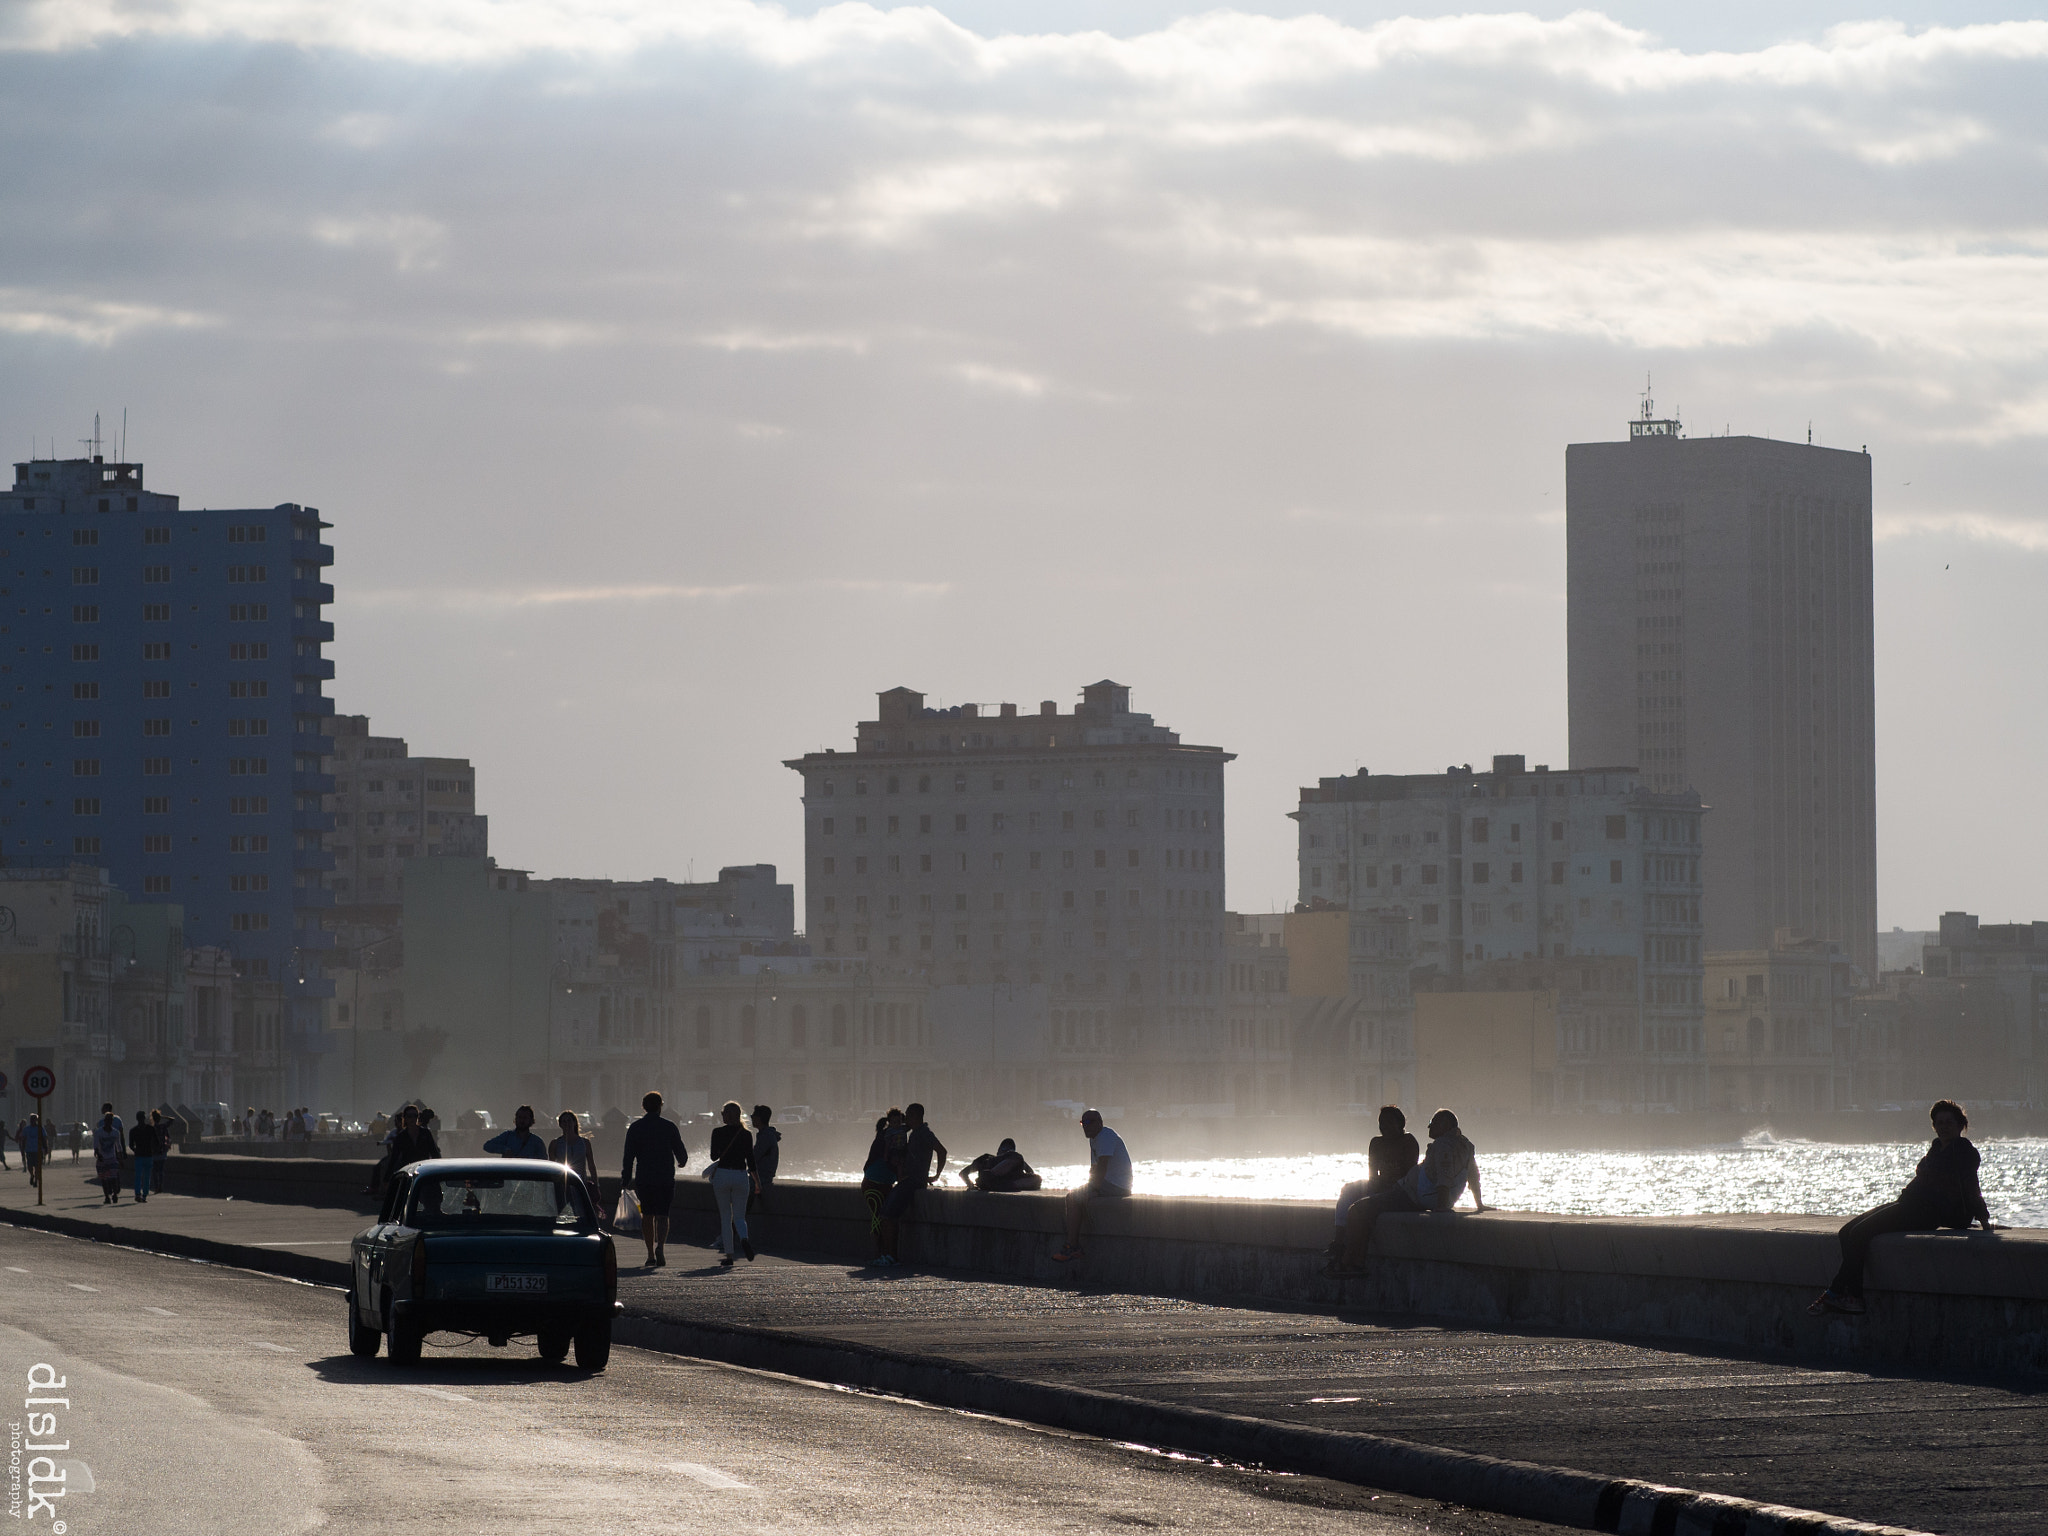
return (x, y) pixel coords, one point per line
(1949, 1301)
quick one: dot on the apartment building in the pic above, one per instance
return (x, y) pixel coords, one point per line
(1519, 865)
(1078, 853)
(1775, 1022)
(163, 719)
(1720, 628)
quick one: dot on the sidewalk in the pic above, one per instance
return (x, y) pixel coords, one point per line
(1968, 1458)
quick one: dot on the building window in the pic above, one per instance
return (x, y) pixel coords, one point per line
(85, 807)
(1614, 871)
(156, 885)
(85, 845)
(1617, 827)
(1478, 829)
(924, 863)
(825, 866)
(1429, 912)
(1557, 874)
(1102, 858)
(85, 767)
(959, 783)
(1429, 874)
(1514, 874)
(85, 728)
(1481, 873)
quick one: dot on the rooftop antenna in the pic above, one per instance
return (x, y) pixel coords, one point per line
(124, 434)
(1809, 434)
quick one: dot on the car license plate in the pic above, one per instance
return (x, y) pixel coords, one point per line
(518, 1285)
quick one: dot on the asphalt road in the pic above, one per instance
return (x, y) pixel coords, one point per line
(206, 1399)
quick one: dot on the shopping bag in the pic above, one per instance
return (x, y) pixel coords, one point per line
(627, 1217)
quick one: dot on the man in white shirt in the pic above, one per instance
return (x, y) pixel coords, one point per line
(1109, 1178)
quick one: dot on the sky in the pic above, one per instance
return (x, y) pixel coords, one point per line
(679, 376)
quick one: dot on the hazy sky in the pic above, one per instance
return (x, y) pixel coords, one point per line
(677, 376)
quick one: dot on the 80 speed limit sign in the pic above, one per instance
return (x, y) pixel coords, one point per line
(39, 1082)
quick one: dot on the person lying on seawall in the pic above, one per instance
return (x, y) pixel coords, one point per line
(1944, 1192)
(1447, 1169)
(1388, 1157)
(1001, 1172)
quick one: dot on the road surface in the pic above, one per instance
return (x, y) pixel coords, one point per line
(206, 1399)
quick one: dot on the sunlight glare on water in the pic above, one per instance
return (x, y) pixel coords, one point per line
(1757, 1175)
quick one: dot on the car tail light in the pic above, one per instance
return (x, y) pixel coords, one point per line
(419, 1266)
(611, 1269)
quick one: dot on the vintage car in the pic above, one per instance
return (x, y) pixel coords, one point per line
(495, 1248)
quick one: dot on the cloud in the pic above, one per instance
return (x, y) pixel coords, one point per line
(411, 240)
(2027, 534)
(91, 322)
(489, 600)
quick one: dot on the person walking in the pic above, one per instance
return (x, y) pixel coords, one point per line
(142, 1144)
(654, 1151)
(34, 1146)
(108, 1143)
(574, 1150)
(1109, 1178)
(767, 1156)
(1944, 1192)
(167, 1135)
(914, 1171)
(520, 1140)
(732, 1176)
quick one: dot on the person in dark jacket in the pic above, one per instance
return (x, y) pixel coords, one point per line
(767, 1156)
(878, 1173)
(1388, 1157)
(109, 1143)
(733, 1176)
(1944, 1192)
(654, 1151)
(411, 1143)
(143, 1144)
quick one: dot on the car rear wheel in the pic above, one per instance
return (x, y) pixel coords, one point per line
(362, 1341)
(405, 1340)
(554, 1345)
(594, 1345)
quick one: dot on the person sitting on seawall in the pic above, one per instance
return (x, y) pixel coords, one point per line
(1388, 1158)
(1435, 1184)
(1109, 1178)
(1943, 1193)
(1001, 1172)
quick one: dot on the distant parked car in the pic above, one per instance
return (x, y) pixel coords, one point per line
(475, 1120)
(326, 1123)
(793, 1114)
(495, 1248)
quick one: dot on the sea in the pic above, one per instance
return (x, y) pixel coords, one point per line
(1759, 1174)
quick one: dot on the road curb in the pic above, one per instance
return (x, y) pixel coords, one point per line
(1620, 1506)
(273, 1261)
(1563, 1497)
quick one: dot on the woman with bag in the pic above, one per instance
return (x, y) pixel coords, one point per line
(878, 1175)
(733, 1177)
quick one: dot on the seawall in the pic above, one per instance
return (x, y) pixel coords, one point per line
(1954, 1302)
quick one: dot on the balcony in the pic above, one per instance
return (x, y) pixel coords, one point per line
(311, 859)
(312, 592)
(312, 821)
(312, 629)
(313, 550)
(312, 666)
(312, 783)
(312, 704)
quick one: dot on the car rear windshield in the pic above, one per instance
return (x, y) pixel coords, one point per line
(513, 1202)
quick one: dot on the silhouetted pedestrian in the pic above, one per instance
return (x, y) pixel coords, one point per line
(878, 1172)
(520, 1140)
(574, 1150)
(654, 1151)
(1001, 1172)
(732, 1176)
(108, 1144)
(1447, 1169)
(142, 1146)
(767, 1156)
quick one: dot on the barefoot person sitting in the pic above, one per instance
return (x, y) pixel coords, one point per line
(1943, 1193)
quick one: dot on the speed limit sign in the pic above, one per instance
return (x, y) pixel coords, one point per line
(39, 1082)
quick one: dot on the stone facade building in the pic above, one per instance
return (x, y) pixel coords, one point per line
(1775, 1025)
(1542, 873)
(1079, 853)
(1720, 637)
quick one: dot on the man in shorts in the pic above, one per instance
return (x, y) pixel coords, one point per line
(654, 1151)
(1109, 1178)
(913, 1173)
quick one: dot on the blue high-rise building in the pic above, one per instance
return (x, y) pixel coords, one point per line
(160, 709)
